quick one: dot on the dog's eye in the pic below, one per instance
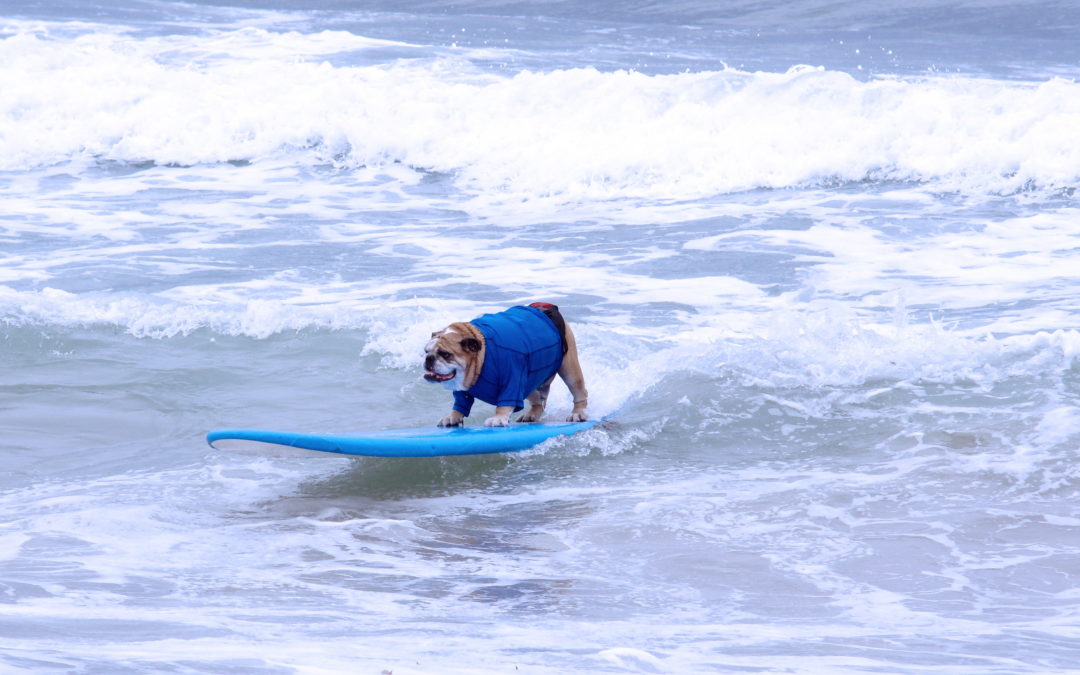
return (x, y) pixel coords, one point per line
(445, 356)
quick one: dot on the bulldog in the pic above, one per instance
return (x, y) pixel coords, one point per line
(505, 359)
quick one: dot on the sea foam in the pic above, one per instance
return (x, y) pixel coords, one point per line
(577, 134)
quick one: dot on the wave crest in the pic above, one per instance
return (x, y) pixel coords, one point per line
(574, 134)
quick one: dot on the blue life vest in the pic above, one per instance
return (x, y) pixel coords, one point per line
(522, 349)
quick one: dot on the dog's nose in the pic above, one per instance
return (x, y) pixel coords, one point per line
(429, 362)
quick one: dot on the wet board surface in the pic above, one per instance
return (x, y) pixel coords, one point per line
(418, 442)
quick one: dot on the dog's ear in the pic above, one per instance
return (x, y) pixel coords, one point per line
(470, 344)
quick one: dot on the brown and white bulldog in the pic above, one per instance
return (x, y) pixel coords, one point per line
(504, 358)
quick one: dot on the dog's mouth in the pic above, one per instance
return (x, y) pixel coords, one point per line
(432, 376)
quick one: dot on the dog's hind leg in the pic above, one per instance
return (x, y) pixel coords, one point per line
(537, 402)
(571, 374)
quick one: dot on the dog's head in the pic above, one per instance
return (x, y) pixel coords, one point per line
(453, 356)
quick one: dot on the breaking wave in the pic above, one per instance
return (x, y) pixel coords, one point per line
(580, 133)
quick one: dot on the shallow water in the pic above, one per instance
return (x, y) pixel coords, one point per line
(820, 261)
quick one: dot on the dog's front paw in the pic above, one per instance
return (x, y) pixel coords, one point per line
(577, 417)
(454, 419)
(497, 421)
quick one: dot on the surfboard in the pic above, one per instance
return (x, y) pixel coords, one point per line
(419, 442)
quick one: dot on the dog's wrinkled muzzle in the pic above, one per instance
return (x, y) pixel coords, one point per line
(431, 375)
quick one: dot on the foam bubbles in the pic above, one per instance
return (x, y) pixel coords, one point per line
(1059, 425)
(155, 317)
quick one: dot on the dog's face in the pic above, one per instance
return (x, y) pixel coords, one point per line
(449, 355)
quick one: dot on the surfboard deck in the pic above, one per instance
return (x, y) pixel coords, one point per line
(418, 442)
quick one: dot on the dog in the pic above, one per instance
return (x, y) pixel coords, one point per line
(504, 359)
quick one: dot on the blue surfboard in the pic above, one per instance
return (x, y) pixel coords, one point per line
(421, 442)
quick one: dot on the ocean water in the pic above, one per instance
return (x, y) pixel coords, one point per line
(822, 260)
